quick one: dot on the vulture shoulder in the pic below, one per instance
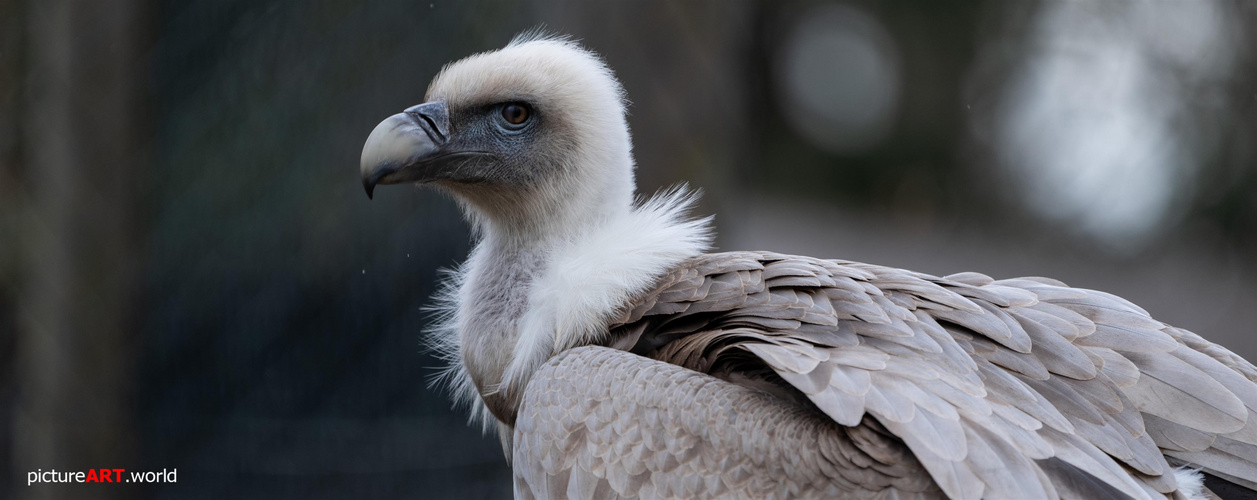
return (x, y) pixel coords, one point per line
(603, 423)
(852, 378)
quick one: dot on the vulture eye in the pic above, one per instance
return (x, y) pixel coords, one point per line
(515, 114)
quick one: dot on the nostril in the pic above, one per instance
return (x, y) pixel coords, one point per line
(433, 117)
(431, 127)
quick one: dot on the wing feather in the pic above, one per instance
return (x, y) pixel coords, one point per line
(1172, 389)
(996, 388)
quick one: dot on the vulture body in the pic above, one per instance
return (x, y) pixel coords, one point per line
(618, 359)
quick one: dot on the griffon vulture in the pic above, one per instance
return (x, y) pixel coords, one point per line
(618, 359)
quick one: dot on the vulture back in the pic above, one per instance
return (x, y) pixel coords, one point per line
(826, 377)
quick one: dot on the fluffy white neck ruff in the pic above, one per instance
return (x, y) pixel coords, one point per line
(586, 283)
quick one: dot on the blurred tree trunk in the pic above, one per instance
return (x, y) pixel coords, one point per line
(11, 30)
(82, 134)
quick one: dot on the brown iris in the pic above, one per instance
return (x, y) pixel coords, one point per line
(515, 114)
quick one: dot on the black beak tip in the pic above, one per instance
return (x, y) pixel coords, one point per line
(370, 188)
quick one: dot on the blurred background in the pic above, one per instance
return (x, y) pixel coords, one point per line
(191, 276)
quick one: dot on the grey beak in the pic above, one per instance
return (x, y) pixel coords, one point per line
(397, 150)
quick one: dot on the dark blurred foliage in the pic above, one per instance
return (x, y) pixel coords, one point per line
(936, 44)
(284, 342)
(215, 286)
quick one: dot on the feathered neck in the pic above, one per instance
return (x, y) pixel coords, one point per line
(553, 297)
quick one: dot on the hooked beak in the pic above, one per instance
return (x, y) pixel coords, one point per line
(401, 147)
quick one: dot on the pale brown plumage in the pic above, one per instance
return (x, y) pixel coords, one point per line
(983, 383)
(603, 423)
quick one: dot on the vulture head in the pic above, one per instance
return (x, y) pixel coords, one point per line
(532, 132)
(532, 141)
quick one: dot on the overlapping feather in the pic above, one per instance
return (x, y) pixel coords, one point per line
(984, 381)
